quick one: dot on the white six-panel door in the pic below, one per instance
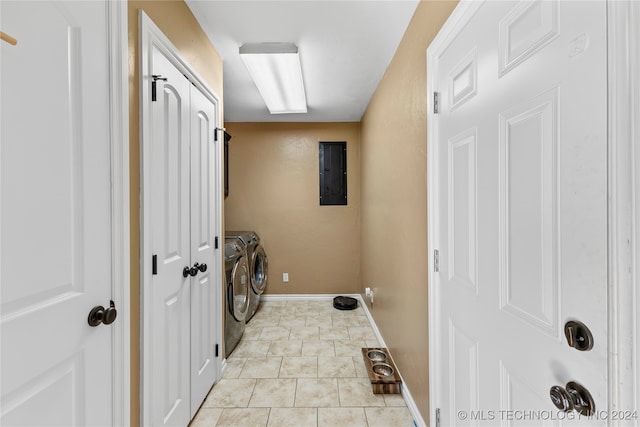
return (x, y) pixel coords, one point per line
(521, 146)
(56, 214)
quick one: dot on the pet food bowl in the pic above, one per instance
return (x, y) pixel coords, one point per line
(382, 369)
(377, 355)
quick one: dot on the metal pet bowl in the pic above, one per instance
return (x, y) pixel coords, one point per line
(376, 355)
(382, 369)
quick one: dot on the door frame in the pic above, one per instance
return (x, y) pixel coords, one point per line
(151, 36)
(117, 27)
(623, 122)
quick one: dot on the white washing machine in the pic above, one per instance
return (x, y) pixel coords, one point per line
(236, 292)
(258, 266)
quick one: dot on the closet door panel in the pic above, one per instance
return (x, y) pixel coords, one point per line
(170, 290)
(204, 190)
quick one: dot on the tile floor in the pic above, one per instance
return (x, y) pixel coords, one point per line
(300, 364)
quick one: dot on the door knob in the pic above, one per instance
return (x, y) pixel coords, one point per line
(578, 335)
(110, 314)
(561, 398)
(201, 267)
(582, 400)
(99, 314)
(573, 397)
(189, 271)
(95, 315)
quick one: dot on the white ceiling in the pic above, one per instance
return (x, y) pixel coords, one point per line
(345, 47)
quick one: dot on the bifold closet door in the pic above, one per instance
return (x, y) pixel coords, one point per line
(184, 193)
(170, 328)
(204, 192)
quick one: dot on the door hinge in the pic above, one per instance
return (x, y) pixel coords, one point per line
(215, 242)
(436, 260)
(437, 417)
(154, 264)
(155, 78)
(436, 102)
(216, 132)
(216, 350)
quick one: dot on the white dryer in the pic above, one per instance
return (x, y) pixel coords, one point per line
(258, 266)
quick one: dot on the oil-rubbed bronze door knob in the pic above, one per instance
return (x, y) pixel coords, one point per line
(189, 271)
(582, 400)
(561, 398)
(99, 314)
(573, 397)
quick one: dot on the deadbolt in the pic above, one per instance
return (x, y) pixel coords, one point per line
(578, 335)
(573, 396)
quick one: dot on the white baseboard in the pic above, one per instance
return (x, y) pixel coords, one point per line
(411, 404)
(406, 394)
(223, 367)
(294, 297)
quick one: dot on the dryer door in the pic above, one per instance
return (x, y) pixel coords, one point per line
(239, 290)
(259, 271)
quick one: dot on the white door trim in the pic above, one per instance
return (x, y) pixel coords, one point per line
(634, 37)
(463, 13)
(152, 36)
(624, 146)
(624, 198)
(120, 238)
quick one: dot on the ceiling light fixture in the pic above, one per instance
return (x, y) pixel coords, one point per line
(275, 69)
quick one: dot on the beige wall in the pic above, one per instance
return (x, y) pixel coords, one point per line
(394, 201)
(177, 22)
(274, 190)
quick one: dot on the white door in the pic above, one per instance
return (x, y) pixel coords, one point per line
(203, 244)
(56, 214)
(169, 329)
(522, 192)
(183, 215)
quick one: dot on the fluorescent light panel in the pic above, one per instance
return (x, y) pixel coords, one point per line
(275, 69)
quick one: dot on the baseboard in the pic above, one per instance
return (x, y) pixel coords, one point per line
(294, 297)
(223, 367)
(406, 394)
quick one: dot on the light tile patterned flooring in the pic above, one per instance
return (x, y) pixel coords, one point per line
(300, 364)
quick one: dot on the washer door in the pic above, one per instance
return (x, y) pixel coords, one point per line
(238, 294)
(260, 269)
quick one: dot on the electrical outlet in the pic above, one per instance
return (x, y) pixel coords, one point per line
(285, 277)
(368, 292)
